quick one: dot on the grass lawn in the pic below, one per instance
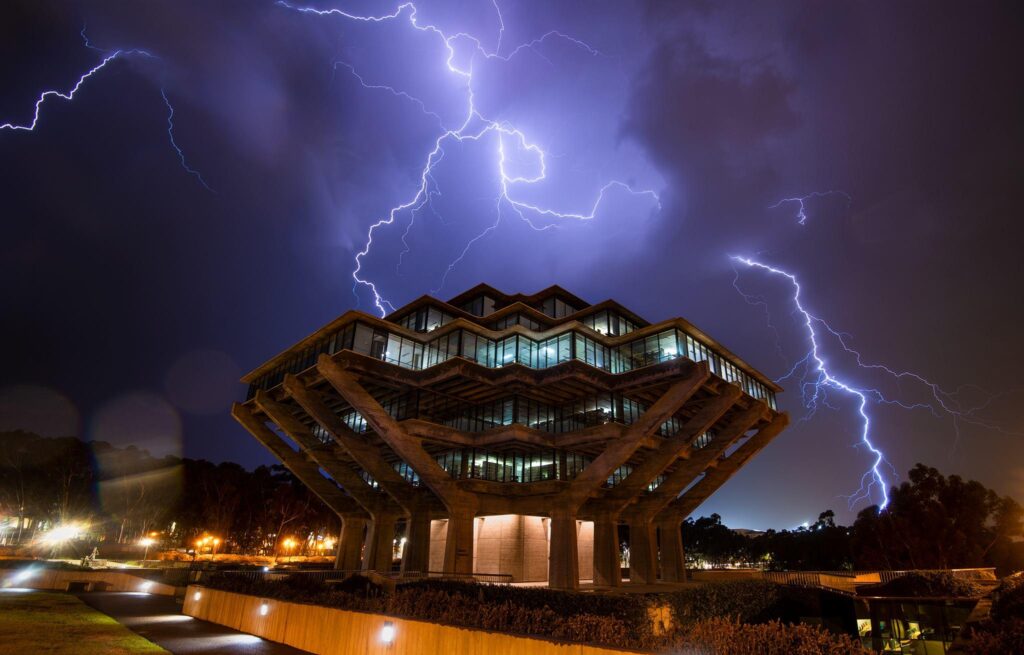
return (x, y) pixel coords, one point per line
(41, 622)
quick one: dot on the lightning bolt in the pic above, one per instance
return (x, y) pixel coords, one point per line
(475, 127)
(68, 95)
(174, 144)
(108, 57)
(817, 377)
(801, 213)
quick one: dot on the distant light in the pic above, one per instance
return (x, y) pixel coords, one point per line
(264, 609)
(387, 633)
(62, 533)
(147, 542)
(197, 595)
(266, 568)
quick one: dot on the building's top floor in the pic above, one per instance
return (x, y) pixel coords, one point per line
(495, 329)
(493, 309)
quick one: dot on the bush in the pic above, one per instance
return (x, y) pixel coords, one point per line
(1002, 637)
(745, 600)
(722, 636)
(924, 584)
(620, 620)
(1008, 599)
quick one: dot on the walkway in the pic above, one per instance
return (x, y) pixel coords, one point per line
(159, 619)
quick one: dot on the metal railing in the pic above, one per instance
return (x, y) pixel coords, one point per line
(337, 575)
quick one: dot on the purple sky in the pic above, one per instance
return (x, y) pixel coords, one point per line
(134, 297)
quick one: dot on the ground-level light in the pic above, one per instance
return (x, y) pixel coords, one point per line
(387, 633)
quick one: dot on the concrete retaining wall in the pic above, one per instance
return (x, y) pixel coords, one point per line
(328, 631)
(58, 580)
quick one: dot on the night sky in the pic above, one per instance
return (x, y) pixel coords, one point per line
(134, 297)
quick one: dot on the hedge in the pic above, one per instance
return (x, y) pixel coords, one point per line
(619, 620)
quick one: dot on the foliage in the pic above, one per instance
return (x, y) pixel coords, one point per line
(997, 637)
(744, 600)
(924, 583)
(618, 620)
(1008, 599)
(124, 493)
(821, 546)
(932, 522)
(939, 522)
(722, 636)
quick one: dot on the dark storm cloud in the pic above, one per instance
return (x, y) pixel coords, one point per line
(130, 291)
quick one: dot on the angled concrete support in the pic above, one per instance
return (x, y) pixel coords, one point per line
(563, 552)
(350, 546)
(686, 471)
(620, 450)
(643, 551)
(596, 473)
(673, 565)
(671, 449)
(307, 472)
(323, 454)
(363, 453)
(461, 505)
(724, 469)
(607, 570)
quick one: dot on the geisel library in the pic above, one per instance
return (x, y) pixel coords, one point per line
(512, 434)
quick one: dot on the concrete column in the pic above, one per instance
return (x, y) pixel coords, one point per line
(563, 553)
(380, 540)
(458, 545)
(607, 571)
(673, 567)
(416, 557)
(643, 551)
(350, 545)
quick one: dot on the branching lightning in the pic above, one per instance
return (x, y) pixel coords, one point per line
(108, 57)
(800, 201)
(817, 376)
(474, 127)
(181, 154)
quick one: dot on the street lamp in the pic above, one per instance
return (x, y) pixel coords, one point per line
(147, 542)
(288, 544)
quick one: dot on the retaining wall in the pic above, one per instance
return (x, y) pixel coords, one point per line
(58, 580)
(330, 631)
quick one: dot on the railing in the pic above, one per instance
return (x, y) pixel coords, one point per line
(976, 574)
(333, 575)
(847, 581)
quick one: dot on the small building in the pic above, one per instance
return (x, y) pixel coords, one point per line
(512, 434)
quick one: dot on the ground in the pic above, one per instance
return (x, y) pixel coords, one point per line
(55, 624)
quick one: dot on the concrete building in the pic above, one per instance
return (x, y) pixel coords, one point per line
(512, 434)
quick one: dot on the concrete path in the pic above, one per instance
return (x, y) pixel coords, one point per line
(159, 619)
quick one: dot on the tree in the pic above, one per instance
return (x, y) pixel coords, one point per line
(939, 522)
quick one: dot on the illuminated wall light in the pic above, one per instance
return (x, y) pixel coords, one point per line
(264, 609)
(197, 595)
(146, 586)
(387, 633)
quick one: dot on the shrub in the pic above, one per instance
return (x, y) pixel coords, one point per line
(620, 620)
(1002, 637)
(1008, 599)
(721, 636)
(745, 600)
